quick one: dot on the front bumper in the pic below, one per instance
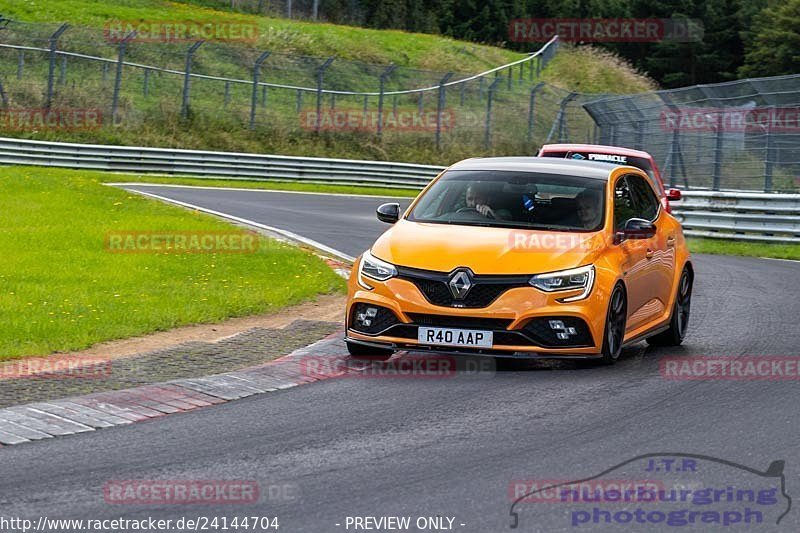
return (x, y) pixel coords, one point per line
(518, 318)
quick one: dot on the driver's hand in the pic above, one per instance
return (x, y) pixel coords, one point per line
(485, 210)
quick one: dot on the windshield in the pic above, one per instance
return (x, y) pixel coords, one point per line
(514, 199)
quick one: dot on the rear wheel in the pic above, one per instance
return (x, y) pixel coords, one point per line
(616, 319)
(680, 315)
(362, 351)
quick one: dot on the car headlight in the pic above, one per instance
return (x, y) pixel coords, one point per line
(373, 268)
(566, 280)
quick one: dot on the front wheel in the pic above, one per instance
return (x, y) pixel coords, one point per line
(362, 351)
(616, 319)
(680, 315)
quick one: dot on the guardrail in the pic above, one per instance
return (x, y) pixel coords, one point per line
(733, 215)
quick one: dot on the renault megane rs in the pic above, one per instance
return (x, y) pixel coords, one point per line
(524, 257)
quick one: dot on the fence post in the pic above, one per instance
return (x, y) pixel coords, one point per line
(254, 97)
(52, 69)
(384, 76)
(320, 79)
(227, 97)
(62, 72)
(715, 177)
(421, 103)
(560, 122)
(20, 64)
(531, 109)
(440, 107)
(146, 88)
(118, 79)
(538, 66)
(3, 95)
(187, 78)
(299, 103)
(288, 9)
(769, 161)
(487, 136)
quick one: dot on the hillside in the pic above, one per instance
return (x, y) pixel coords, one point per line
(150, 102)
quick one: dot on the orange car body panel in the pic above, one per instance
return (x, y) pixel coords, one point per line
(649, 268)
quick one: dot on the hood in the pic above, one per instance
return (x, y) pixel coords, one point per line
(444, 247)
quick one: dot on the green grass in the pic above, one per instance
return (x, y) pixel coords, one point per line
(422, 51)
(747, 249)
(154, 119)
(61, 289)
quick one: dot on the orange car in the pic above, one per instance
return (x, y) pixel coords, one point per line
(524, 257)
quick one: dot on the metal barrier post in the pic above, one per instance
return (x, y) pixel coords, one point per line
(440, 107)
(384, 76)
(487, 135)
(20, 64)
(187, 78)
(769, 161)
(118, 79)
(531, 109)
(52, 70)
(254, 96)
(717, 174)
(320, 79)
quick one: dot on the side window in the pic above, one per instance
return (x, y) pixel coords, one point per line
(624, 207)
(644, 198)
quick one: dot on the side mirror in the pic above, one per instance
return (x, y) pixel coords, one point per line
(673, 195)
(636, 228)
(389, 213)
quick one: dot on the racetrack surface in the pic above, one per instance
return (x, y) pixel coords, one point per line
(450, 446)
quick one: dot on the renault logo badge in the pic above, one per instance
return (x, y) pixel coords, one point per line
(460, 284)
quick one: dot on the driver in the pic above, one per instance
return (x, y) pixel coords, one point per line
(477, 199)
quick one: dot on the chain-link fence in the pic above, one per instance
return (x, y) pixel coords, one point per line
(136, 84)
(742, 135)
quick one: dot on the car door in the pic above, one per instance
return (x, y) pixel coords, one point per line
(634, 260)
(659, 250)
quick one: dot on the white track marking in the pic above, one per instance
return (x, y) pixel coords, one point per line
(284, 233)
(211, 187)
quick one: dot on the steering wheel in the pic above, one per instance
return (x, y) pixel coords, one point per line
(472, 210)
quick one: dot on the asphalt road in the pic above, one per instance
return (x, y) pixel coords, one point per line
(453, 446)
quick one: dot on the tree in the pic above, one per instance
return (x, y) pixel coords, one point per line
(775, 45)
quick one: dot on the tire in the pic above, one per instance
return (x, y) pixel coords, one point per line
(681, 309)
(616, 318)
(361, 351)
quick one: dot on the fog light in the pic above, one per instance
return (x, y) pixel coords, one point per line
(562, 332)
(365, 318)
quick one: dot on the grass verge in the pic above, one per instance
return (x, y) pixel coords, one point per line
(748, 249)
(61, 289)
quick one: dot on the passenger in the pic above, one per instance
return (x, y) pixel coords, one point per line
(588, 204)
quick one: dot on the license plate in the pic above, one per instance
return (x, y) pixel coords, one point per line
(455, 337)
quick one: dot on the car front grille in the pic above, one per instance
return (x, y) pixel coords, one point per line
(486, 288)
